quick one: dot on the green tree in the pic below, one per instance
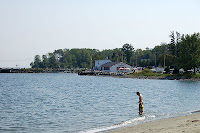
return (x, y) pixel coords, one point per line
(128, 51)
(60, 52)
(173, 46)
(65, 59)
(189, 53)
(45, 61)
(138, 54)
(145, 57)
(37, 62)
(116, 55)
(85, 59)
(52, 60)
(162, 54)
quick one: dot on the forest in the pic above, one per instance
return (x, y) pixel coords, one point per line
(183, 51)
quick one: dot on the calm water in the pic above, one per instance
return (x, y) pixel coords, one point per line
(72, 103)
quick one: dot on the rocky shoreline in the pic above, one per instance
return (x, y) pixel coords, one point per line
(116, 75)
(163, 77)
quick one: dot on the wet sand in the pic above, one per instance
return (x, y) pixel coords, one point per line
(183, 124)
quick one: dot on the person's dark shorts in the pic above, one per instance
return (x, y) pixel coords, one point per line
(141, 107)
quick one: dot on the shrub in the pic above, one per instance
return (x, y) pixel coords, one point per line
(146, 71)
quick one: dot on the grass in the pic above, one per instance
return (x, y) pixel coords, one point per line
(149, 73)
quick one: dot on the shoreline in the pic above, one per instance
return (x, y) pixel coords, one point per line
(162, 78)
(152, 77)
(105, 74)
(189, 123)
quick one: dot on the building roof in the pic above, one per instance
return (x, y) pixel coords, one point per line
(109, 64)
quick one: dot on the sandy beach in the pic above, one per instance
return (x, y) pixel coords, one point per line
(183, 124)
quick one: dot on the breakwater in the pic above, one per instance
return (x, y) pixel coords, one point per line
(34, 70)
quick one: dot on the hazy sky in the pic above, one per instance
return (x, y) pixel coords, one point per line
(31, 27)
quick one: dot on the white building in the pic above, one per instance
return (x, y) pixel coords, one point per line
(98, 63)
(116, 67)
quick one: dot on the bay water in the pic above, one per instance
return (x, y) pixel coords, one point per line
(68, 103)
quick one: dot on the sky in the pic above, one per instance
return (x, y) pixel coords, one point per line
(37, 27)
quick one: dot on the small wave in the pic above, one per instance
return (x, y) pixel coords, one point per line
(122, 124)
(196, 111)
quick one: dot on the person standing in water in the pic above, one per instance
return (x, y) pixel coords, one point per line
(140, 103)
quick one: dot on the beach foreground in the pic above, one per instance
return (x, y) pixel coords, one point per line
(183, 124)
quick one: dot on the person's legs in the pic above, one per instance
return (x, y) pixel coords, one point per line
(140, 109)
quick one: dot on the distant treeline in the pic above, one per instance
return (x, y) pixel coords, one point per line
(183, 51)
